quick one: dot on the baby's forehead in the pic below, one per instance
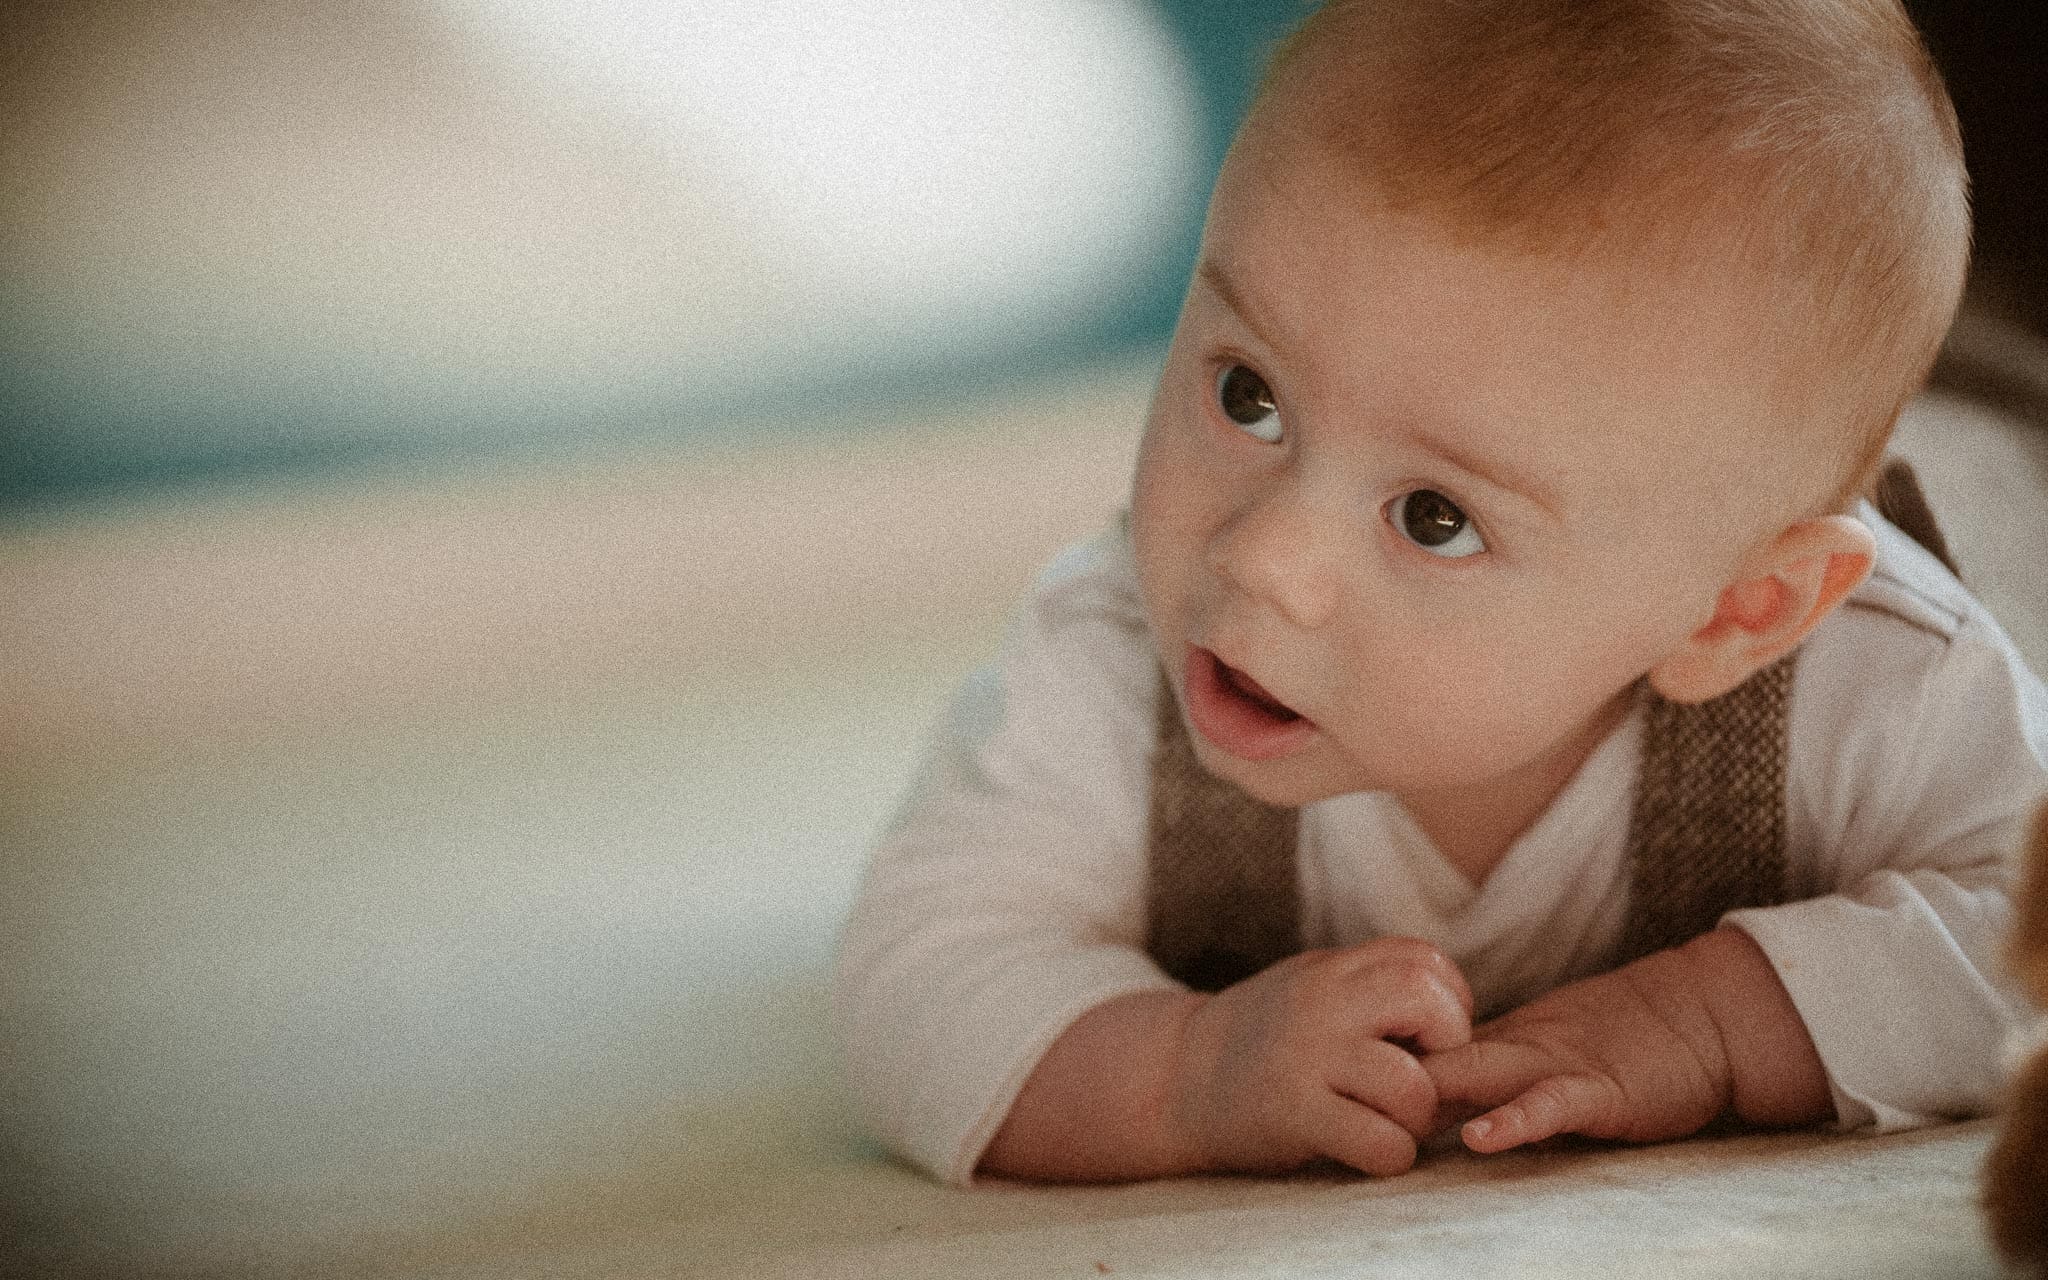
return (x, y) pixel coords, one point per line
(1711, 217)
(1597, 369)
(1284, 198)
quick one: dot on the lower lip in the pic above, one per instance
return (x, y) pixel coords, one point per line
(1233, 723)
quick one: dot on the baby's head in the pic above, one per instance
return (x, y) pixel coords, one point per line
(1536, 347)
(1802, 151)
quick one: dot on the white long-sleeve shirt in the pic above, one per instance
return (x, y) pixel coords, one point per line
(1008, 897)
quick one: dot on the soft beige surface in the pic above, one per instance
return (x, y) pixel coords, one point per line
(1790, 1208)
(1781, 1207)
(440, 882)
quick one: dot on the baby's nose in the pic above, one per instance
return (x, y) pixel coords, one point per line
(1271, 553)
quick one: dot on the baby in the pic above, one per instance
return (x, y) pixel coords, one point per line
(1536, 358)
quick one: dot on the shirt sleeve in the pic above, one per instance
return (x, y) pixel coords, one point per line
(1006, 899)
(1928, 749)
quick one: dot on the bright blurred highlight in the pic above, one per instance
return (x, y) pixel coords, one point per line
(373, 231)
(921, 166)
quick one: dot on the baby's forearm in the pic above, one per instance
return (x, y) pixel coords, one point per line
(1098, 1106)
(1775, 1073)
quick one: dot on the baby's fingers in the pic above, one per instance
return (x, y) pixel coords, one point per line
(1389, 1080)
(1354, 1134)
(1484, 1074)
(1584, 1104)
(1490, 1076)
(1425, 1010)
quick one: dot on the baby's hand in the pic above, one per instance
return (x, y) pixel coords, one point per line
(1315, 1057)
(1631, 1055)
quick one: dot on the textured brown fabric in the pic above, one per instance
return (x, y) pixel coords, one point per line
(1224, 899)
(1707, 829)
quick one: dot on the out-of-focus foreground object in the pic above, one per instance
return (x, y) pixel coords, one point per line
(2016, 1174)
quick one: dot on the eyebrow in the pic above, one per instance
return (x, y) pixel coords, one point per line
(1211, 273)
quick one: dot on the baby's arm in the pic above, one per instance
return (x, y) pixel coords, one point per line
(1654, 1050)
(1303, 1061)
(995, 1004)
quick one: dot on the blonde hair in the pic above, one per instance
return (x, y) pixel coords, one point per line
(1808, 142)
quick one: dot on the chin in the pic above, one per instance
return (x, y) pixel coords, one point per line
(1284, 784)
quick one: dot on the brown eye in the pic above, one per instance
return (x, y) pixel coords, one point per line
(1435, 523)
(1247, 401)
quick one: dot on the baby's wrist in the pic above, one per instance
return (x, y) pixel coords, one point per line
(1774, 1073)
(1165, 1140)
(1102, 1105)
(1674, 987)
(1187, 1109)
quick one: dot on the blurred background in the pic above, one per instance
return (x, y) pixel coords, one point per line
(392, 235)
(283, 238)
(492, 493)
(379, 331)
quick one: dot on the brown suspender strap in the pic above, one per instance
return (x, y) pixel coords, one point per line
(1707, 828)
(1224, 895)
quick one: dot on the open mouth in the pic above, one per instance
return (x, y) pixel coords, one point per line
(1236, 713)
(1253, 692)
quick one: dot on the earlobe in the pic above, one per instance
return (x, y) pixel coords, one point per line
(1780, 594)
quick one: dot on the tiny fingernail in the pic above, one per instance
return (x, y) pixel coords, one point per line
(1478, 1130)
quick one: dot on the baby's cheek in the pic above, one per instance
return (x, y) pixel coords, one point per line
(1497, 707)
(1167, 519)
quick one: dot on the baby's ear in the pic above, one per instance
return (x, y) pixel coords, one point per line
(1781, 592)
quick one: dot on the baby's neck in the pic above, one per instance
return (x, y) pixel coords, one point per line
(1474, 843)
(1474, 827)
